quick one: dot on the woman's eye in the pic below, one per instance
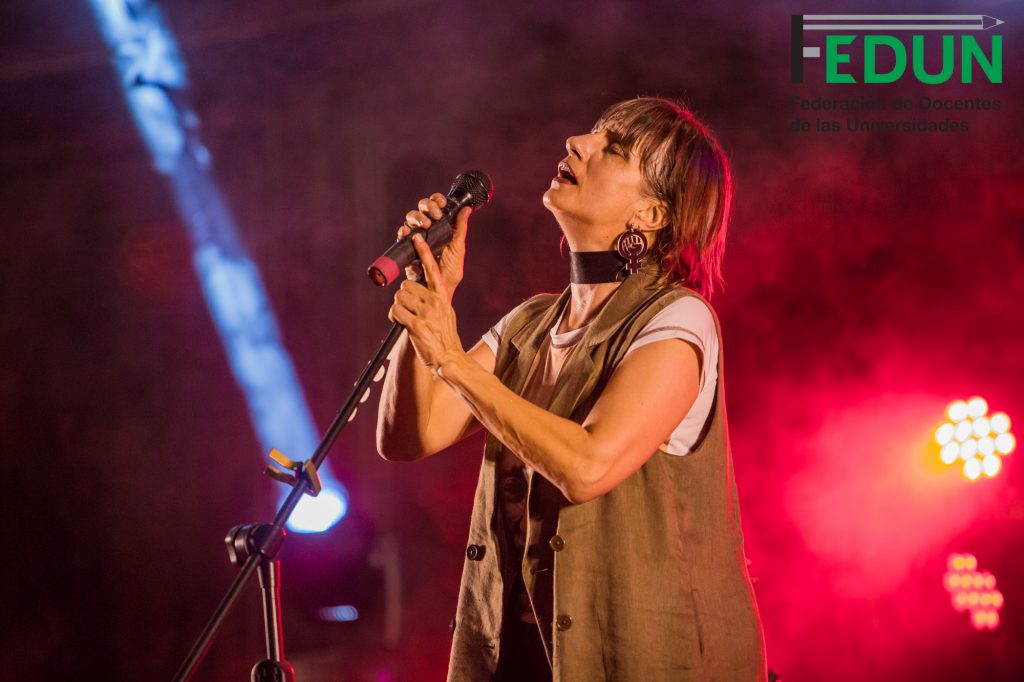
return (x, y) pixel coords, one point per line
(617, 150)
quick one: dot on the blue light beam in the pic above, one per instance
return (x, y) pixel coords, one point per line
(153, 80)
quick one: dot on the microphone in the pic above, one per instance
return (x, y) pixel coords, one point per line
(472, 188)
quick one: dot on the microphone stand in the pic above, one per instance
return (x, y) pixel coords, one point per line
(256, 547)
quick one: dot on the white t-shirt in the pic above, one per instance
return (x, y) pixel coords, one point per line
(687, 318)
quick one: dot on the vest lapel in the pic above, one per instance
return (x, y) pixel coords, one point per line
(579, 367)
(527, 340)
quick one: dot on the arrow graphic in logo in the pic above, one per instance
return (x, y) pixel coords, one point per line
(874, 22)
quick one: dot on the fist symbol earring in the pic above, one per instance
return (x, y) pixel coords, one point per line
(632, 246)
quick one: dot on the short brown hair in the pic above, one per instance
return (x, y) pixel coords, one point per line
(684, 166)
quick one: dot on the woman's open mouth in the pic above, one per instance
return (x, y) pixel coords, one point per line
(565, 174)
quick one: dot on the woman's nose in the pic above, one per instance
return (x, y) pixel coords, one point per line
(574, 146)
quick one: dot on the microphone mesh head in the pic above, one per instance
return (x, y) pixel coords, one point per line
(477, 184)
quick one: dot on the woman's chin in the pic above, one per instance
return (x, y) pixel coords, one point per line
(552, 201)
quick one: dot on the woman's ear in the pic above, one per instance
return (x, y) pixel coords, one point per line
(652, 215)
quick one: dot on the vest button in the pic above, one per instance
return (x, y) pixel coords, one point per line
(563, 622)
(475, 552)
(556, 543)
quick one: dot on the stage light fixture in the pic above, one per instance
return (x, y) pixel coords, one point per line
(338, 614)
(974, 437)
(973, 591)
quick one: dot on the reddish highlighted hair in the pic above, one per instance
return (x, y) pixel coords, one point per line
(683, 166)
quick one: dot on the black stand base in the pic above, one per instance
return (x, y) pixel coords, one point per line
(272, 671)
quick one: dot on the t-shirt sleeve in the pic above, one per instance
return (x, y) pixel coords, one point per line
(689, 319)
(492, 337)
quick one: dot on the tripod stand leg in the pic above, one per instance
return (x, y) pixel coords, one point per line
(274, 668)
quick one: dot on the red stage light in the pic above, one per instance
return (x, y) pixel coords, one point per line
(973, 590)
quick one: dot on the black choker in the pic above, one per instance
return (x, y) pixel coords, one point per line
(596, 267)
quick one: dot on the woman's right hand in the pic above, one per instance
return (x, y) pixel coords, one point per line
(452, 258)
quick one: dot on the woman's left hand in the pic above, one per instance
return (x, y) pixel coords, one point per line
(426, 312)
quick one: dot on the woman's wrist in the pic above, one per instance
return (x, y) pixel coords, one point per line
(449, 364)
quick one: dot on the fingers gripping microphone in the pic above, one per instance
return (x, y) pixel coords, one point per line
(472, 188)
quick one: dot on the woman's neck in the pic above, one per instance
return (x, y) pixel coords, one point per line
(585, 302)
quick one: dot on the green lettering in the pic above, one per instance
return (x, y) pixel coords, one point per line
(970, 52)
(947, 61)
(833, 59)
(900, 52)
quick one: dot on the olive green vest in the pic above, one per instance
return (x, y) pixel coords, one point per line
(647, 582)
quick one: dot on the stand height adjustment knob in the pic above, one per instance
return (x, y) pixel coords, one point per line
(263, 538)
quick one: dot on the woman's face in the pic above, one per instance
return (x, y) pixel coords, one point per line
(597, 190)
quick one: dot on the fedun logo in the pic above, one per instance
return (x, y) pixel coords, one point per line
(841, 39)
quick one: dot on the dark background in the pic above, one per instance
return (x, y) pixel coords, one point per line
(872, 279)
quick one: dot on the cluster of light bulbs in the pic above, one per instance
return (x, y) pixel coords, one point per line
(977, 441)
(973, 591)
(975, 438)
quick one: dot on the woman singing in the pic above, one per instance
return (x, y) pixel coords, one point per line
(605, 541)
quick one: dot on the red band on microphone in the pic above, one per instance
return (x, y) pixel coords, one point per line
(384, 271)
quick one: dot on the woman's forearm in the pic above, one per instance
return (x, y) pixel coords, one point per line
(403, 417)
(560, 449)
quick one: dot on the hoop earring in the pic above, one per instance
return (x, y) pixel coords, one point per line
(632, 247)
